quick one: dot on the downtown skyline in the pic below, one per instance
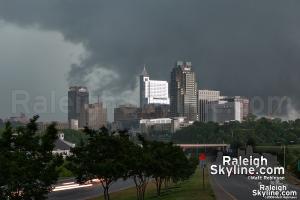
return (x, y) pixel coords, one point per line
(254, 54)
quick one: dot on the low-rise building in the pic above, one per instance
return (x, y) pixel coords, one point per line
(155, 125)
(21, 119)
(179, 123)
(127, 117)
(62, 147)
(74, 124)
(163, 125)
(228, 109)
(153, 111)
(42, 126)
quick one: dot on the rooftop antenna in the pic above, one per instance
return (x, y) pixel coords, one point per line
(145, 73)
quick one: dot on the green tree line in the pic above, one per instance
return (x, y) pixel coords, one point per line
(258, 131)
(113, 156)
(29, 169)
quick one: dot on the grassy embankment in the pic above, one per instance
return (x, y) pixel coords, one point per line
(187, 190)
(292, 155)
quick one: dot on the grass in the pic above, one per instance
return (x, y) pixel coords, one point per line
(187, 190)
(75, 136)
(277, 149)
(64, 172)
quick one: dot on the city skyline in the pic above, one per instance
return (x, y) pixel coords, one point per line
(110, 106)
(81, 45)
(152, 99)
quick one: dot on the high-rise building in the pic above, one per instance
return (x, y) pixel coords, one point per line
(97, 116)
(206, 97)
(184, 92)
(153, 91)
(78, 98)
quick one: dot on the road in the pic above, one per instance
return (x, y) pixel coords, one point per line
(69, 190)
(238, 187)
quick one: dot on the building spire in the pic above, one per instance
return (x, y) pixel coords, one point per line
(145, 73)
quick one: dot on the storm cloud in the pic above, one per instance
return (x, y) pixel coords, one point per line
(248, 48)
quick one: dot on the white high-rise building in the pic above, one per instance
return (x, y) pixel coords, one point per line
(153, 91)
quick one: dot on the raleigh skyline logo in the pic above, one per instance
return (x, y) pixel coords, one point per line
(245, 166)
(257, 168)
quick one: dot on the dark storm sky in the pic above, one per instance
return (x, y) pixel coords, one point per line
(249, 48)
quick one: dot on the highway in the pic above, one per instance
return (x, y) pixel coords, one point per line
(67, 190)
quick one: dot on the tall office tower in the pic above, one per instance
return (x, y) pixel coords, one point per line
(206, 97)
(97, 116)
(184, 92)
(153, 91)
(78, 98)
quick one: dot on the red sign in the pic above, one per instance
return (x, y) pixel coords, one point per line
(202, 156)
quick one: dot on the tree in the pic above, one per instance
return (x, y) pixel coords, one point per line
(251, 142)
(168, 162)
(102, 157)
(138, 166)
(28, 168)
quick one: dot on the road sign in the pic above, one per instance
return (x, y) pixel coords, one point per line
(299, 165)
(202, 156)
(202, 165)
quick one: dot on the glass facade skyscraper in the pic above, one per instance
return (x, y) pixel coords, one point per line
(78, 100)
(184, 92)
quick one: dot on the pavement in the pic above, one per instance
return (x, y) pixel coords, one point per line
(69, 190)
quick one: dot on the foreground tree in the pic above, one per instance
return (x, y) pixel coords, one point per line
(138, 166)
(102, 157)
(27, 166)
(169, 163)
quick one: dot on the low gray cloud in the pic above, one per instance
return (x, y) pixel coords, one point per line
(246, 48)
